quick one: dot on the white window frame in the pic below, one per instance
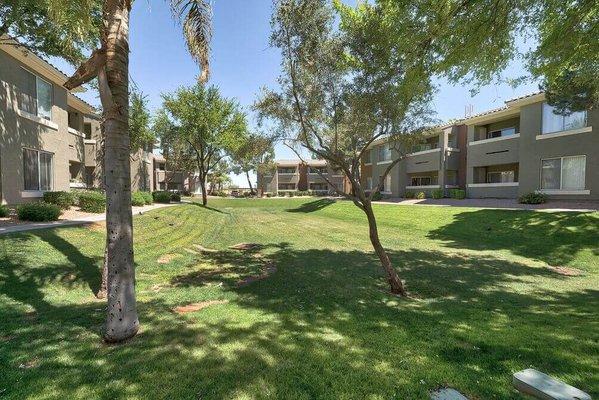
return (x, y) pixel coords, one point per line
(39, 175)
(563, 129)
(386, 152)
(36, 95)
(561, 173)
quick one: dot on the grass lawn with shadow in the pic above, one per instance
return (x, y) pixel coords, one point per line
(483, 304)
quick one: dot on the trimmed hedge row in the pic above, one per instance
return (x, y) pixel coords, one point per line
(62, 199)
(459, 194)
(38, 212)
(3, 211)
(93, 202)
(161, 197)
(166, 197)
(533, 198)
(140, 198)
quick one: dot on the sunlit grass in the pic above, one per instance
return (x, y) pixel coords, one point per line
(484, 304)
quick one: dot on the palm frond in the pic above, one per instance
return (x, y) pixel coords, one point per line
(196, 19)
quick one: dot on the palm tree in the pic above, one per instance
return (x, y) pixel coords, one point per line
(110, 64)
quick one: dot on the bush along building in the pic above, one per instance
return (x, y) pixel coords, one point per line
(520, 148)
(50, 139)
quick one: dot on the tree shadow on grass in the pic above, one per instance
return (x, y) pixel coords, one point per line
(312, 206)
(469, 318)
(552, 237)
(207, 207)
(322, 326)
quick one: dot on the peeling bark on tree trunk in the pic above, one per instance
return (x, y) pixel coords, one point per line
(395, 284)
(121, 321)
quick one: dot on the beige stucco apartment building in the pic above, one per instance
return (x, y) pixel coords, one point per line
(517, 149)
(436, 163)
(49, 138)
(296, 175)
(525, 147)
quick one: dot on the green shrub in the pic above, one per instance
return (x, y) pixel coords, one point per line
(222, 193)
(410, 195)
(38, 212)
(161, 197)
(92, 202)
(176, 197)
(63, 200)
(377, 196)
(459, 194)
(420, 195)
(290, 194)
(137, 199)
(533, 198)
(438, 194)
(148, 199)
(4, 211)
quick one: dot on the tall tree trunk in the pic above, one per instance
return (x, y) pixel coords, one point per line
(203, 186)
(395, 284)
(247, 175)
(121, 320)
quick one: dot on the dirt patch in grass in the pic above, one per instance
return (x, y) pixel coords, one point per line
(204, 249)
(167, 258)
(245, 246)
(198, 306)
(97, 226)
(566, 271)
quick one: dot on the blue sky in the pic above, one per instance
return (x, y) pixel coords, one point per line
(243, 61)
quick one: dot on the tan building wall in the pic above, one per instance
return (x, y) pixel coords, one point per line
(19, 130)
(71, 135)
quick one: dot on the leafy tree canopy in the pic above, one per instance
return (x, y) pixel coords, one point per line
(61, 28)
(140, 134)
(204, 125)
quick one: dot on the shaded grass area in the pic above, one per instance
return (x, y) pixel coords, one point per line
(323, 325)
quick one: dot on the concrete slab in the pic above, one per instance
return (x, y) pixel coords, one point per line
(542, 386)
(447, 394)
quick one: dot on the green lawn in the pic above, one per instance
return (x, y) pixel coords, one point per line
(484, 305)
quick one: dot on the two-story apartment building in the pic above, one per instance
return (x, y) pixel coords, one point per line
(439, 161)
(295, 175)
(517, 149)
(49, 138)
(525, 147)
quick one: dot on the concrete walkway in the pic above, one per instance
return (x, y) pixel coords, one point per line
(508, 204)
(76, 221)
